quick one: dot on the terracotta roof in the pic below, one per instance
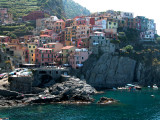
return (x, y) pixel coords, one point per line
(45, 36)
(67, 47)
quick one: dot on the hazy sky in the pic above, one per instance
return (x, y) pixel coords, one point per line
(147, 8)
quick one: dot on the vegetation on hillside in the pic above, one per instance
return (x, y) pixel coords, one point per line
(128, 35)
(73, 9)
(59, 8)
(16, 30)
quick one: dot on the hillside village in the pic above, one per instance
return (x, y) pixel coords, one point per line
(70, 42)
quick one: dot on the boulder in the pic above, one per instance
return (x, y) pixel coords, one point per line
(105, 100)
(72, 89)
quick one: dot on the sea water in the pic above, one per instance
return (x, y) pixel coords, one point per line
(132, 105)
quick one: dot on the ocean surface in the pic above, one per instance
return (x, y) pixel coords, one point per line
(134, 105)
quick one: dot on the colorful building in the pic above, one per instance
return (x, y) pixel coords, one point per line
(98, 43)
(31, 49)
(77, 58)
(148, 35)
(47, 54)
(80, 21)
(58, 26)
(44, 39)
(66, 51)
(68, 36)
(83, 31)
(44, 56)
(102, 23)
(112, 23)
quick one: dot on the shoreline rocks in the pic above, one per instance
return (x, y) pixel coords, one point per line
(105, 100)
(72, 91)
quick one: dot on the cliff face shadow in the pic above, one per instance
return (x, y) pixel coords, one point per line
(45, 79)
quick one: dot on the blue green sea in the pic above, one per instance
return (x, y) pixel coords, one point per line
(135, 105)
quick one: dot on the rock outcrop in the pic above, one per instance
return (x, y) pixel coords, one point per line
(109, 71)
(73, 90)
(116, 71)
(105, 100)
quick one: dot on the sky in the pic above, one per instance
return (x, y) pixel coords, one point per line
(147, 8)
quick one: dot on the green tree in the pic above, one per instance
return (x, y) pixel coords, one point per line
(158, 39)
(128, 48)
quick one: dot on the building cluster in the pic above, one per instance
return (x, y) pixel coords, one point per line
(57, 42)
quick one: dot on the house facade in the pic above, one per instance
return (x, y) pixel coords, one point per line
(77, 58)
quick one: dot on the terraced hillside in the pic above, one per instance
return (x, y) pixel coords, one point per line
(60, 8)
(21, 8)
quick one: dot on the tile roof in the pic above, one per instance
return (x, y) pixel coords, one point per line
(67, 47)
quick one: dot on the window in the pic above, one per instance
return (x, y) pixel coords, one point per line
(29, 46)
(82, 58)
(42, 59)
(32, 54)
(48, 59)
(32, 59)
(110, 23)
(37, 55)
(36, 60)
(31, 51)
(33, 46)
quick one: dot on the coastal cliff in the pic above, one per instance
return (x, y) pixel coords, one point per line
(109, 71)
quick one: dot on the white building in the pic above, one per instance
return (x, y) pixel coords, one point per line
(126, 15)
(101, 23)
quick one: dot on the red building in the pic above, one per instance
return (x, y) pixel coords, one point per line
(92, 21)
(34, 15)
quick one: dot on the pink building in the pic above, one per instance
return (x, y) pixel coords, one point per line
(77, 58)
(47, 54)
(44, 56)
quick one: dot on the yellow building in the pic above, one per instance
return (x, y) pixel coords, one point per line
(68, 36)
(31, 48)
(66, 52)
(112, 24)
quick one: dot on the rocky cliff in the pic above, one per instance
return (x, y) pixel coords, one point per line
(115, 71)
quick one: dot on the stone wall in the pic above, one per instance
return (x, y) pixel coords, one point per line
(44, 77)
(21, 84)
